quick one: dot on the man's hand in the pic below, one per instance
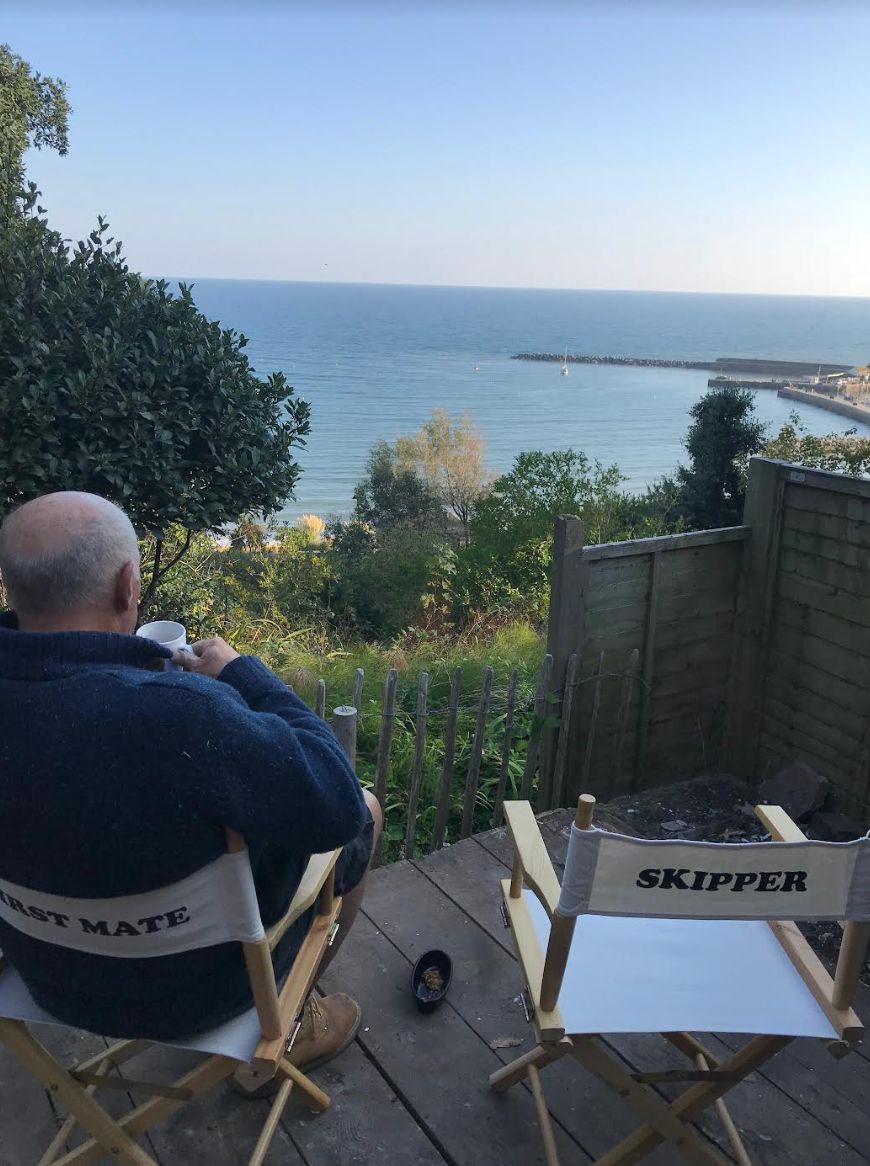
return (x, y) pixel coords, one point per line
(206, 657)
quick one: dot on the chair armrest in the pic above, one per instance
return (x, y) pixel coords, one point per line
(779, 825)
(532, 854)
(316, 873)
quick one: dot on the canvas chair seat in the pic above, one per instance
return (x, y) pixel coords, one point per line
(680, 975)
(215, 905)
(676, 938)
(237, 1038)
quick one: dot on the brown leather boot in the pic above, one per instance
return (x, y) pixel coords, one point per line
(329, 1024)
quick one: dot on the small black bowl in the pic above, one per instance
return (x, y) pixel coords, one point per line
(427, 999)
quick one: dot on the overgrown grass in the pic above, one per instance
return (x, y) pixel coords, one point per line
(300, 661)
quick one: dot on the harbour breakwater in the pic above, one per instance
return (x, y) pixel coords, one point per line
(843, 408)
(721, 364)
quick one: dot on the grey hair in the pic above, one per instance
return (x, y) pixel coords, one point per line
(78, 568)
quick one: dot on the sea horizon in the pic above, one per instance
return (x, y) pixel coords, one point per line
(186, 279)
(375, 359)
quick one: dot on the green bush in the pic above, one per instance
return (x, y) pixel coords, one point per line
(112, 384)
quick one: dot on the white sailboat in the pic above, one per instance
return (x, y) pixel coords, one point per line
(564, 369)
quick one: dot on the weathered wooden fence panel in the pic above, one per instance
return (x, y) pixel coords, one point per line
(814, 701)
(652, 627)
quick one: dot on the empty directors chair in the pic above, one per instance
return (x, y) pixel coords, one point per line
(678, 938)
(216, 904)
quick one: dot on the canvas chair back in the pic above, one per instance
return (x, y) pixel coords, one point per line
(612, 874)
(216, 904)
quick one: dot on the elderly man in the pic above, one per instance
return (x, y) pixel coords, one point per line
(117, 779)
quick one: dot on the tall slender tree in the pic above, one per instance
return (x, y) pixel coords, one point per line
(723, 433)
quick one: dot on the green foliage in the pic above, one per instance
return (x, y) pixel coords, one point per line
(192, 590)
(385, 557)
(517, 646)
(657, 511)
(113, 384)
(393, 496)
(507, 563)
(841, 452)
(450, 455)
(275, 580)
(34, 112)
(721, 436)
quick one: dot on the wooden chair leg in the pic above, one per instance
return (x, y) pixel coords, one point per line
(61, 1137)
(271, 1123)
(727, 1121)
(319, 1100)
(109, 1138)
(199, 1080)
(544, 1122)
(695, 1099)
(649, 1106)
(539, 1057)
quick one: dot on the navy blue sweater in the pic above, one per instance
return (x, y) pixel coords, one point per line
(116, 780)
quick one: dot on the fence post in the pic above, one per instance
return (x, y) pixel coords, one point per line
(566, 626)
(762, 513)
(344, 721)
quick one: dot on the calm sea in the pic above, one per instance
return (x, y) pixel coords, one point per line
(375, 360)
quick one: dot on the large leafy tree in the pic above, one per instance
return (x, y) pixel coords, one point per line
(722, 434)
(391, 495)
(451, 455)
(385, 556)
(113, 384)
(507, 563)
(34, 112)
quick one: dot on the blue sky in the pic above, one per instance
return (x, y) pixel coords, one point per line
(693, 147)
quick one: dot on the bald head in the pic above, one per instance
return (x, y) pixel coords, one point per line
(62, 555)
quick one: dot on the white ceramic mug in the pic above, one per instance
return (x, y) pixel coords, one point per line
(168, 633)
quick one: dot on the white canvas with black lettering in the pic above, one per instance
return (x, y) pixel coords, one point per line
(612, 874)
(680, 975)
(216, 904)
(238, 1038)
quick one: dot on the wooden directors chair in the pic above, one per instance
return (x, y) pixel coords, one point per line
(217, 904)
(679, 938)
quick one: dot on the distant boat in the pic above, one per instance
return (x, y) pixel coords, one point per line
(564, 369)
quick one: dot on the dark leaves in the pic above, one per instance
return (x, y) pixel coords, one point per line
(110, 383)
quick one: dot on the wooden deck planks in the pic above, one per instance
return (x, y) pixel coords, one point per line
(436, 1063)
(367, 1121)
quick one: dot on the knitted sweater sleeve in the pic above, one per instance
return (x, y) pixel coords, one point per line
(284, 778)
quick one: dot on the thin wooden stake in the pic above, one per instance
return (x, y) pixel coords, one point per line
(622, 716)
(507, 742)
(358, 678)
(593, 722)
(557, 791)
(320, 705)
(417, 771)
(535, 739)
(474, 760)
(443, 807)
(648, 667)
(385, 739)
(344, 725)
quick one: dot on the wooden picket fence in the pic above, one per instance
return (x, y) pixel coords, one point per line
(544, 777)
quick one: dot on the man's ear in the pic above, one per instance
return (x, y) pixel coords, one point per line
(126, 595)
